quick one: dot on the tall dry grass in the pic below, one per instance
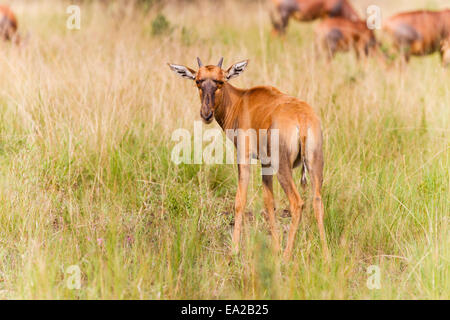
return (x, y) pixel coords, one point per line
(86, 177)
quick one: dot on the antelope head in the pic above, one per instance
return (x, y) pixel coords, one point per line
(210, 81)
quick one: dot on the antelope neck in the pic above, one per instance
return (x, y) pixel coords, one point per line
(228, 105)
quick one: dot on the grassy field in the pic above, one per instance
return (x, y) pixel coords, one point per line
(86, 180)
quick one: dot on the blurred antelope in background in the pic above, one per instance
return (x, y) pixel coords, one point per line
(264, 107)
(338, 34)
(308, 10)
(445, 51)
(418, 32)
(8, 25)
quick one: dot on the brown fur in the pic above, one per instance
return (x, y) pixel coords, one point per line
(445, 51)
(308, 10)
(300, 140)
(8, 24)
(418, 32)
(339, 34)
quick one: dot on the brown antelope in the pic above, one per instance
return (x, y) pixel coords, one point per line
(308, 10)
(8, 25)
(339, 34)
(418, 32)
(445, 51)
(264, 107)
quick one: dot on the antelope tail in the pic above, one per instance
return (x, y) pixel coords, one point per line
(303, 157)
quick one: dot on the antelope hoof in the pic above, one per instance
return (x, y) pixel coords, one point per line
(287, 256)
(326, 254)
(235, 249)
(276, 245)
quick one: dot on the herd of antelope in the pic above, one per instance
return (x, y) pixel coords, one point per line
(266, 108)
(417, 33)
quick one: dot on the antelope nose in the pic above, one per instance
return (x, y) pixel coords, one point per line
(208, 116)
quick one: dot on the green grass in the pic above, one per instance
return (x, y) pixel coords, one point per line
(86, 178)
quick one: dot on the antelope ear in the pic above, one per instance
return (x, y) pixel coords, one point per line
(236, 69)
(183, 71)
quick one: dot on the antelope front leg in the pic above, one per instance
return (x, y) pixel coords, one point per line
(241, 199)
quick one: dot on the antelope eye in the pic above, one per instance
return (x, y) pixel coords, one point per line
(218, 82)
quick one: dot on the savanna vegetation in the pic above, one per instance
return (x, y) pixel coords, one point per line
(86, 177)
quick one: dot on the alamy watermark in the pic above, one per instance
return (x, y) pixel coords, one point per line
(251, 145)
(73, 280)
(74, 20)
(373, 14)
(374, 279)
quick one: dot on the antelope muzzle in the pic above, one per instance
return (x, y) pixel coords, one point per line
(208, 92)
